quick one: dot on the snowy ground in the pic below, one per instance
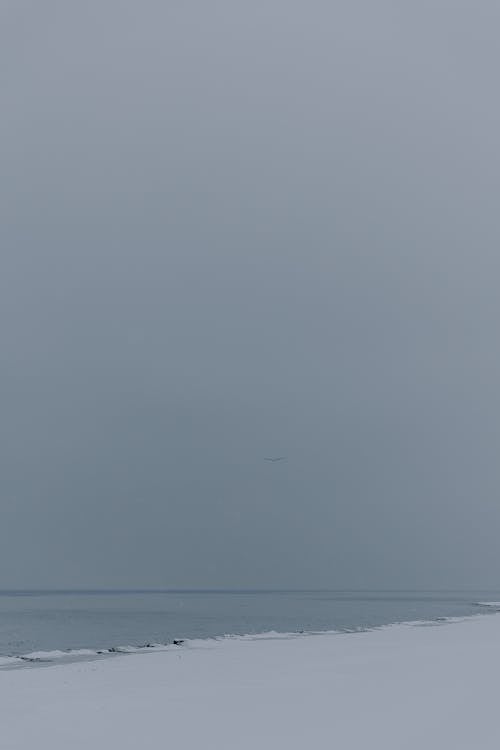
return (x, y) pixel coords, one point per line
(403, 687)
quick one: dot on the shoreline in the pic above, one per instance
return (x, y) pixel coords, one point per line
(400, 685)
(39, 659)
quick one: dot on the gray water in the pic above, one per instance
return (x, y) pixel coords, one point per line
(67, 620)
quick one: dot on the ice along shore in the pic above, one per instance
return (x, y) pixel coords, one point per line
(402, 686)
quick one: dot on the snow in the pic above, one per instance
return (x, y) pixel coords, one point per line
(397, 687)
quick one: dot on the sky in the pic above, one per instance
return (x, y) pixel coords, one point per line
(232, 230)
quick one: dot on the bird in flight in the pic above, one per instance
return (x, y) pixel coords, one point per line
(274, 459)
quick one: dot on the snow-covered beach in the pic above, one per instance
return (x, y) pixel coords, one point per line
(402, 686)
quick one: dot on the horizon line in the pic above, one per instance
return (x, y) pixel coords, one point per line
(232, 589)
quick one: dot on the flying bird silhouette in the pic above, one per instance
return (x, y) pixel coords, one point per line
(274, 459)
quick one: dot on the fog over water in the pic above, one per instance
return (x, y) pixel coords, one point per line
(234, 230)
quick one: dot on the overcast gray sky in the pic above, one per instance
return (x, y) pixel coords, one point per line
(237, 229)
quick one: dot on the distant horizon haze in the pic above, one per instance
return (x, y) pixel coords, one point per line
(234, 230)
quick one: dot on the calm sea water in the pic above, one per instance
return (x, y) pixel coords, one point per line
(47, 621)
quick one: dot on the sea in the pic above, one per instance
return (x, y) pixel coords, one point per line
(47, 627)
